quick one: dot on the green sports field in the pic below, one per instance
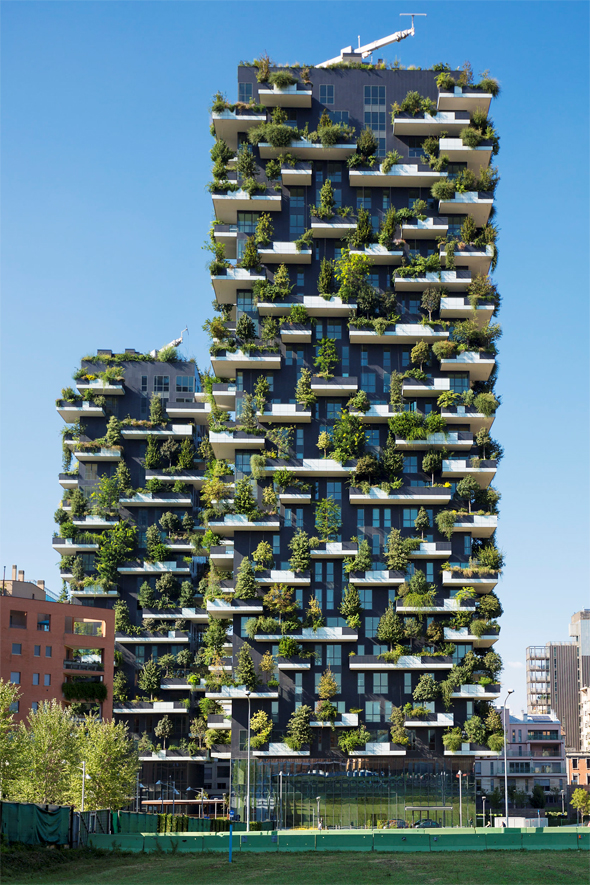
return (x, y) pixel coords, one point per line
(93, 867)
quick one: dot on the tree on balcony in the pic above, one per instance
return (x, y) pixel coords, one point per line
(313, 615)
(156, 410)
(328, 519)
(169, 450)
(146, 598)
(299, 731)
(152, 457)
(431, 463)
(149, 678)
(399, 550)
(246, 586)
(114, 548)
(260, 728)
(263, 556)
(156, 551)
(351, 608)
(245, 673)
(244, 500)
(300, 560)
(164, 729)
(427, 689)
(303, 392)
(467, 488)
(261, 391)
(422, 522)
(398, 733)
(104, 496)
(327, 358)
(390, 628)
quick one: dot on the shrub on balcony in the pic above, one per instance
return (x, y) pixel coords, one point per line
(299, 731)
(413, 104)
(289, 647)
(261, 729)
(305, 241)
(351, 608)
(84, 690)
(281, 79)
(399, 550)
(349, 741)
(452, 739)
(489, 557)
(392, 158)
(246, 586)
(496, 742)
(489, 84)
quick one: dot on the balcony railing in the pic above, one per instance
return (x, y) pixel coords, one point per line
(69, 664)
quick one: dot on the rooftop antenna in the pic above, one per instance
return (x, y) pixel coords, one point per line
(350, 54)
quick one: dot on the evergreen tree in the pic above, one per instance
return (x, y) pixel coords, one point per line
(250, 261)
(123, 478)
(120, 687)
(398, 550)
(187, 595)
(393, 459)
(155, 550)
(113, 434)
(78, 503)
(427, 689)
(300, 560)
(244, 500)
(303, 393)
(146, 597)
(152, 458)
(188, 523)
(149, 678)
(327, 358)
(246, 586)
(422, 521)
(390, 628)
(245, 671)
(327, 686)
(328, 518)
(156, 410)
(122, 620)
(186, 456)
(263, 556)
(261, 392)
(299, 731)
(215, 635)
(399, 735)
(351, 608)
(326, 282)
(363, 561)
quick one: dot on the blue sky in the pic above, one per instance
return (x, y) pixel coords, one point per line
(105, 140)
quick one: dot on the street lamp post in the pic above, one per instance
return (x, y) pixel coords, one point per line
(318, 799)
(280, 800)
(460, 775)
(83, 784)
(248, 772)
(483, 802)
(510, 691)
(562, 801)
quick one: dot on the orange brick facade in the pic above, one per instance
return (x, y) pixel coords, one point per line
(578, 769)
(44, 644)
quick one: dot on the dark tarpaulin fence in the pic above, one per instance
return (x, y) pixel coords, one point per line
(35, 824)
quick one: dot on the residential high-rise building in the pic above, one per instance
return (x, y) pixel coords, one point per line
(556, 674)
(341, 624)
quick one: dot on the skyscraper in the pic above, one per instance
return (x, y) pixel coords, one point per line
(343, 562)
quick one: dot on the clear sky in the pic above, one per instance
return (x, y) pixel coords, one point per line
(105, 158)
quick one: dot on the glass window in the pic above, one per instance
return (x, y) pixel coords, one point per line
(334, 490)
(37, 651)
(299, 443)
(245, 92)
(380, 683)
(243, 462)
(14, 707)
(334, 329)
(407, 683)
(326, 94)
(366, 597)
(161, 383)
(372, 436)
(360, 517)
(409, 515)
(333, 410)
(48, 651)
(34, 706)
(36, 678)
(363, 198)
(15, 677)
(47, 679)
(459, 381)
(371, 625)
(339, 117)
(410, 464)
(333, 655)
(144, 383)
(247, 222)
(369, 382)
(373, 711)
(360, 683)
(18, 620)
(17, 648)
(185, 384)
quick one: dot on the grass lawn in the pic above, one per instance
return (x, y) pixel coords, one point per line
(92, 867)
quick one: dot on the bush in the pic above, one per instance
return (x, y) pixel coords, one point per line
(282, 79)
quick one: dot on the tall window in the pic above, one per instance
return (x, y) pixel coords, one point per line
(161, 383)
(245, 92)
(459, 381)
(247, 222)
(374, 115)
(297, 212)
(339, 117)
(380, 683)
(373, 711)
(326, 94)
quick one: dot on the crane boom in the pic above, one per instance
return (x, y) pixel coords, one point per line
(347, 53)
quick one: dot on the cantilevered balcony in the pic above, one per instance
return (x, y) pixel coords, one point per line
(194, 478)
(157, 499)
(459, 307)
(70, 546)
(467, 99)
(438, 605)
(476, 258)
(227, 283)
(482, 471)
(221, 608)
(299, 175)
(168, 567)
(310, 467)
(411, 387)
(405, 495)
(293, 495)
(240, 692)
(94, 522)
(479, 526)
(294, 96)
(295, 333)
(198, 412)
(344, 720)
(227, 235)
(334, 550)
(478, 204)
(430, 124)
(477, 692)
(294, 663)
(223, 394)
(481, 582)
(279, 749)
(379, 254)
(81, 409)
(384, 578)
(457, 152)
(225, 364)
(95, 591)
(380, 749)
(445, 720)
(98, 453)
(337, 386)
(226, 444)
(145, 637)
(69, 481)
(294, 413)
(332, 228)
(315, 305)
(405, 662)
(433, 549)
(400, 175)
(283, 576)
(454, 280)
(228, 205)
(401, 333)
(478, 364)
(471, 750)
(135, 707)
(170, 431)
(222, 555)
(307, 634)
(307, 150)
(464, 635)
(467, 415)
(236, 522)
(455, 439)
(429, 229)
(229, 123)
(284, 253)
(103, 388)
(196, 615)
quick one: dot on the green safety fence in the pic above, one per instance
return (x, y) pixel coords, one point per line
(35, 824)
(127, 822)
(480, 839)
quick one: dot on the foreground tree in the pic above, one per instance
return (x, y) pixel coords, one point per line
(49, 754)
(112, 764)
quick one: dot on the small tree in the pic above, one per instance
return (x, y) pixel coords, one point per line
(263, 556)
(363, 561)
(245, 671)
(260, 728)
(156, 551)
(270, 499)
(326, 278)
(250, 257)
(261, 392)
(245, 329)
(123, 478)
(146, 597)
(422, 521)
(351, 608)
(390, 628)
(113, 434)
(427, 689)
(300, 560)
(149, 678)
(186, 456)
(156, 410)
(313, 615)
(303, 392)
(399, 735)
(581, 802)
(398, 550)
(105, 496)
(267, 664)
(468, 230)
(445, 523)
(170, 522)
(247, 418)
(246, 586)
(327, 686)
(264, 227)
(152, 458)
(420, 354)
(328, 518)
(327, 358)
(298, 728)
(244, 500)
(432, 463)
(164, 729)
(120, 687)
(198, 730)
(467, 489)
(169, 450)
(475, 730)
(279, 600)
(324, 442)
(430, 300)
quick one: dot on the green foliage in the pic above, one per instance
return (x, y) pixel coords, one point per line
(413, 104)
(299, 731)
(289, 647)
(146, 597)
(349, 741)
(84, 690)
(328, 518)
(326, 209)
(149, 678)
(390, 628)
(250, 260)
(245, 672)
(303, 392)
(399, 550)
(352, 271)
(467, 488)
(427, 689)
(263, 556)
(452, 739)
(581, 802)
(324, 442)
(363, 235)
(260, 729)
(366, 144)
(246, 586)
(327, 358)
(114, 547)
(313, 615)
(408, 425)
(351, 608)
(363, 561)
(279, 600)
(113, 434)
(431, 300)
(152, 458)
(244, 500)
(348, 436)
(105, 496)
(156, 551)
(422, 521)
(392, 158)
(432, 463)
(538, 797)
(475, 730)
(156, 410)
(445, 523)
(300, 560)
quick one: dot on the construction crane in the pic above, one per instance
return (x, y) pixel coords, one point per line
(349, 54)
(176, 343)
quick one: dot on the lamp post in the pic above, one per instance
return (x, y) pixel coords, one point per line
(460, 775)
(318, 799)
(175, 793)
(510, 691)
(483, 802)
(83, 784)
(562, 801)
(248, 772)
(280, 800)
